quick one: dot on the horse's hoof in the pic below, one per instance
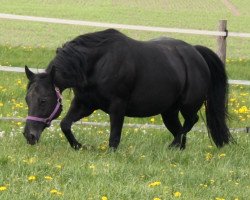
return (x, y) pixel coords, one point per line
(174, 146)
(76, 146)
(112, 149)
(87, 147)
(182, 147)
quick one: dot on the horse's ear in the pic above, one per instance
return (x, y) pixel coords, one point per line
(58, 49)
(30, 75)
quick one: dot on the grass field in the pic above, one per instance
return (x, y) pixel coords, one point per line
(143, 167)
(195, 14)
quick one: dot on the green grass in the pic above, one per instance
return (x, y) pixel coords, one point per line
(200, 172)
(184, 14)
(180, 14)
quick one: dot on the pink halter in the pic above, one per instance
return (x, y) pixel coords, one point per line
(48, 120)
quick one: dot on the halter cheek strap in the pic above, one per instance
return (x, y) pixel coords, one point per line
(48, 120)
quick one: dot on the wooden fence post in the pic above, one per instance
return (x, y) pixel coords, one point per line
(221, 41)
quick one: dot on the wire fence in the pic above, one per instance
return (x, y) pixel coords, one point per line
(139, 126)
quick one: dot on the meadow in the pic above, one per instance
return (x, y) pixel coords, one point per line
(143, 167)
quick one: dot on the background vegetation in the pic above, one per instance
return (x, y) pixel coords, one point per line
(143, 167)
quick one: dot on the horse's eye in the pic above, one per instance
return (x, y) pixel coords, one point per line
(42, 101)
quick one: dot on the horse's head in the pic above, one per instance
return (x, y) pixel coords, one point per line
(44, 104)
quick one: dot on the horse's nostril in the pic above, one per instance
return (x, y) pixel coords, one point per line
(32, 137)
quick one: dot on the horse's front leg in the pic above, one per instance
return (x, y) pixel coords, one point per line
(76, 112)
(116, 114)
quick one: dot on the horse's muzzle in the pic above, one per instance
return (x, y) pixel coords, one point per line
(32, 139)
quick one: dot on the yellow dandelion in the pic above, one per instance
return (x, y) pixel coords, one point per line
(58, 166)
(173, 165)
(103, 146)
(1, 104)
(104, 198)
(156, 198)
(55, 192)
(232, 100)
(30, 160)
(3, 188)
(152, 119)
(48, 178)
(177, 194)
(203, 185)
(92, 166)
(85, 119)
(209, 156)
(19, 81)
(243, 109)
(153, 184)
(19, 123)
(31, 178)
(219, 198)
(222, 155)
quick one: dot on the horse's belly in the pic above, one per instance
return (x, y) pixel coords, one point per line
(154, 94)
(149, 105)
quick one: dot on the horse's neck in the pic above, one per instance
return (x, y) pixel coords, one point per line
(63, 81)
(69, 78)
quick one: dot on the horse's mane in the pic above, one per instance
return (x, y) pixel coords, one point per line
(97, 38)
(71, 57)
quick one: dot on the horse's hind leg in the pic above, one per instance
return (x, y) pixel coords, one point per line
(191, 118)
(173, 124)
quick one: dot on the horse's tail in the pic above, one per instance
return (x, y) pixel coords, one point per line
(217, 98)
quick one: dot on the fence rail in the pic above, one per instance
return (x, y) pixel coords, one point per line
(122, 26)
(21, 70)
(221, 34)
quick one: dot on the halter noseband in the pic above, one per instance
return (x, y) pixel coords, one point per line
(48, 120)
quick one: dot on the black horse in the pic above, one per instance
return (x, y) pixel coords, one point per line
(124, 77)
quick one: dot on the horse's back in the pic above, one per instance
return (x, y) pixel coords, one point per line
(169, 72)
